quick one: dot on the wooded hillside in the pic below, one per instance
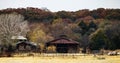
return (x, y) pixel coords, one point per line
(94, 29)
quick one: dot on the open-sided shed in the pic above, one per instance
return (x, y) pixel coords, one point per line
(64, 45)
(26, 46)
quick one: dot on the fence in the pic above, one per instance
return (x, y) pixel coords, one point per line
(49, 54)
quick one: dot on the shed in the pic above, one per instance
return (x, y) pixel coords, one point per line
(64, 45)
(26, 46)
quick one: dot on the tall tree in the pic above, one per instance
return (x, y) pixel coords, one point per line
(84, 27)
(113, 33)
(98, 40)
(12, 25)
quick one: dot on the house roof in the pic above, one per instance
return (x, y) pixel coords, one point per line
(26, 42)
(18, 37)
(63, 41)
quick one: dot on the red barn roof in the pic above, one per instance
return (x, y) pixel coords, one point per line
(63, 41)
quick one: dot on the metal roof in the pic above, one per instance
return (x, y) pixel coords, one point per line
(18, 37)
(26, 42)
(63, 41)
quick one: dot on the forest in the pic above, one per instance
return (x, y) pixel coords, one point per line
(95, 29)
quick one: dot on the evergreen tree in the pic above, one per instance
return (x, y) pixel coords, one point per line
(98, 40)
(83, 26)
(92, 25)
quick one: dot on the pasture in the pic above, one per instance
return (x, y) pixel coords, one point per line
(64, 58)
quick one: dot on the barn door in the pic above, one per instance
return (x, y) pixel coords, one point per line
(61, 48)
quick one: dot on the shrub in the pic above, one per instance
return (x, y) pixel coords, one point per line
(51, 49)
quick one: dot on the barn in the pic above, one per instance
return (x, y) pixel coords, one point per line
(64, 45)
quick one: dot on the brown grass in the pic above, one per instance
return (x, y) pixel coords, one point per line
(62, 59)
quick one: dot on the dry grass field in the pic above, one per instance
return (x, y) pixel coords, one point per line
(62, 59)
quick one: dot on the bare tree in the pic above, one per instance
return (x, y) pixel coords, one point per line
(12, 25)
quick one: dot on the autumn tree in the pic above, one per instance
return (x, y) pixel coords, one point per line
(38, 34)
(114, 16)
(38, 15)
(82, 13)
(64, 14)
(60, 27)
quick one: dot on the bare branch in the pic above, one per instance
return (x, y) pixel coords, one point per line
(11, 25)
